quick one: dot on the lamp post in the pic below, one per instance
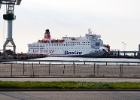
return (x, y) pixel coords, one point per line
(124, 44)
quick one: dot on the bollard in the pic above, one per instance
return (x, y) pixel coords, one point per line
(120, 70)
(39, 62)
(23, 68)
(63, 69)
(11, 69)
(49, 68)
(97, 69)
(74, 68)
(134, 54)
(63, 72)
(94, 68)
(32, 70)
(33, 73)
(64, 66)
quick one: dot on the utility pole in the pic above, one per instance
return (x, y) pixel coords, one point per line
(124, 44)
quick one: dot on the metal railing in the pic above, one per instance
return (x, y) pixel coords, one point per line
(63, 68)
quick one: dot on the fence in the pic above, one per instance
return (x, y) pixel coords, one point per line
(55, 68)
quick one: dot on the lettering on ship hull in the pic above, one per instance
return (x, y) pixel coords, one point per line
(73, 52)
(41, 51)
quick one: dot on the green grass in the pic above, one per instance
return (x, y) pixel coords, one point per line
(71, 85)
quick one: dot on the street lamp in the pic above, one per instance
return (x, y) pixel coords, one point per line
(124, 45)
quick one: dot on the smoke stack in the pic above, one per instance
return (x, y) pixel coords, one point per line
(47, 34)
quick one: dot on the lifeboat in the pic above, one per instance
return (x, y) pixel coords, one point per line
(45, 41)
(61, 40)
(41, 41)
(56, 41)
(52, 40)
(72, 38)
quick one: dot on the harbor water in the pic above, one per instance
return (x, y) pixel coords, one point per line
(88, 59)
(81, 60)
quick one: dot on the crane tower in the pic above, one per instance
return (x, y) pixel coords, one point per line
(9, 17)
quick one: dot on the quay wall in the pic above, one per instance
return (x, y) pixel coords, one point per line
(23, 56)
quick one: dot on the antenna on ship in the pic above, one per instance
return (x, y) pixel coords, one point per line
(89, 30)
(9, 16)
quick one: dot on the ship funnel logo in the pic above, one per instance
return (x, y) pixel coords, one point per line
(47, 34)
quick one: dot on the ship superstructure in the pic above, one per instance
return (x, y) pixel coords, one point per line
(90, 44)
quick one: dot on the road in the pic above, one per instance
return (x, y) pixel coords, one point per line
(74, 79)
(70, 95)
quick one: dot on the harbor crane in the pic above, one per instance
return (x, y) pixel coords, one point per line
(9, 17)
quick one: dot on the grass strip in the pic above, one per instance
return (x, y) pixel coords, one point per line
(70, 85)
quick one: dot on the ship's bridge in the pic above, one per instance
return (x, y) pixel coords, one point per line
(92, 36)
(66, 37)
(69, 38)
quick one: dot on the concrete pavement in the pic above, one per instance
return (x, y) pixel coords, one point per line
(74, 79)
(70, 95)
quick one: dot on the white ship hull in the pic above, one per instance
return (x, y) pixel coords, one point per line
(94, 54)
(90, 45)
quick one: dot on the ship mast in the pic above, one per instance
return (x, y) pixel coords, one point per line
(89, 31)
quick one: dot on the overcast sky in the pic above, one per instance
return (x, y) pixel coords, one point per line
(116, 21)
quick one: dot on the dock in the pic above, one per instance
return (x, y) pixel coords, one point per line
(22, 56)
(110, 54)
(122, 54)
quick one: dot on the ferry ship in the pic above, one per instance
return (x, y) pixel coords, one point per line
(89, 45)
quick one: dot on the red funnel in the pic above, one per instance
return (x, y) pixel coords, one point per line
(47, 34)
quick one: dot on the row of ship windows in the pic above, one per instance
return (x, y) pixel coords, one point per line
(57, 45)
(65, 50)
(66, 44)
(60, 48)
(78, 42)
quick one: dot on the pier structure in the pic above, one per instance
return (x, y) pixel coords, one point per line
(139, 51)
(9, 17)
(124, 53)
